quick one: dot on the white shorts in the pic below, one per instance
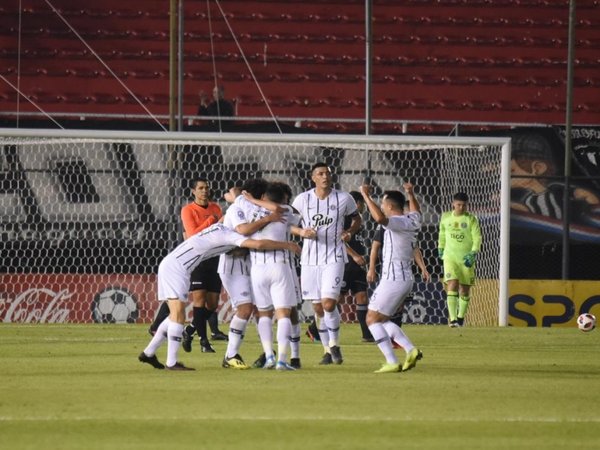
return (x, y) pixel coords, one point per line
(238, 287)
(273, 286)
(173, 280)
(389, 296)
(319, 282)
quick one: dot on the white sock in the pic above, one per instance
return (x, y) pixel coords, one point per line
(265, 333)
(158, 338)
(284, 329)
(332, 321)
(295, 341)
(237, 328)
(323, 333)
(396, 333)
(382, 340)
(174, 334)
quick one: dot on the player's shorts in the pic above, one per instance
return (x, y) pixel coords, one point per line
(273, 286)
(320, 282)
(456, 270)
(355, 278)
(238, 287)
(205, 277)
(173, 280)
(389, 295)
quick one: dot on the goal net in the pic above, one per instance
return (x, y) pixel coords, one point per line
(87, 216)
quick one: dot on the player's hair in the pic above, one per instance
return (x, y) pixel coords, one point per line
(197, 180)
(461, 197)
(357, 196)
(287, 190)
(318, 165)
(256, 186)
(396, 197)
(276, 192)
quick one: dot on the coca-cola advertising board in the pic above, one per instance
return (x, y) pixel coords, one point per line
(74, 298)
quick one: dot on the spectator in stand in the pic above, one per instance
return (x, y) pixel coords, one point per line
(219, 107)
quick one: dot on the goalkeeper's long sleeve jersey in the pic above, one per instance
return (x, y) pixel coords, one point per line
(459, 235)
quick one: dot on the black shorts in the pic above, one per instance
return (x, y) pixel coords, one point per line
(355, 278)
(205, 276)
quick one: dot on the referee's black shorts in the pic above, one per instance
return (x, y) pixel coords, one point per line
(205, 276)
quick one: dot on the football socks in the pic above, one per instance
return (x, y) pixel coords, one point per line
(452, 300)
(174, 333)
(382, 339)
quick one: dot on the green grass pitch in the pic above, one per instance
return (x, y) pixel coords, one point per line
(81, 387)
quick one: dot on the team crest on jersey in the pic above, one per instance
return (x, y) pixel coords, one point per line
(463, 225)
(333, 207)
(240, 214)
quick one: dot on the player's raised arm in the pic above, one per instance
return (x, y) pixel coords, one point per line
(413, 203)
(374, 209)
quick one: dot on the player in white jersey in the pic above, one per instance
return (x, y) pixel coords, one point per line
(400, 237)
(246, 218)
(174, 282)
(272, 275)
(323, 210)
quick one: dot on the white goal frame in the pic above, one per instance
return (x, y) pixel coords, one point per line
(319, 139)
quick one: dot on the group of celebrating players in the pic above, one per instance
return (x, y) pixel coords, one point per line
(249, 250)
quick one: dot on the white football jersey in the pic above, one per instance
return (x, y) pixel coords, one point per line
(327, 217)
(210, 242)
(239, 212)
(276, 231)
(399, 239)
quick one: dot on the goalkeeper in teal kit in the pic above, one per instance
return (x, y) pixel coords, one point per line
(459, 244)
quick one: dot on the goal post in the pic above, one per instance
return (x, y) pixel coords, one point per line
(86, 216)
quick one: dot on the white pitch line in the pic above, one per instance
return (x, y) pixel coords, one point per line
(304, 419)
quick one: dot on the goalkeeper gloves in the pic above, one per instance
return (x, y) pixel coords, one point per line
(469, 259)
(441, 253)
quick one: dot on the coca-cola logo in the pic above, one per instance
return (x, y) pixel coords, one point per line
(36, 305)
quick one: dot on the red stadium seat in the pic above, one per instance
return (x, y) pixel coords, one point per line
(436, 59)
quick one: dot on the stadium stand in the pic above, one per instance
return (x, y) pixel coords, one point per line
(438, 60)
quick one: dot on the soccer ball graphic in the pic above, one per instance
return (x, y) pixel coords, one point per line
(586, 322)
(114, 305)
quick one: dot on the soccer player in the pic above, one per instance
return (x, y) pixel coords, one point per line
(396, 282)
(272, 276)
(458, 246)
(174, 273)
(241, 216)
(374, 255)
(323, 210)
(355, 274)
(205, 283)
